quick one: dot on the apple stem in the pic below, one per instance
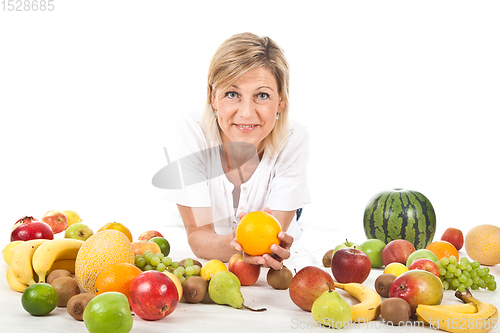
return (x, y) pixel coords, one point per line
(255, 310)
(329, 287)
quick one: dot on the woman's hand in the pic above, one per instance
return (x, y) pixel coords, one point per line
(280, 252)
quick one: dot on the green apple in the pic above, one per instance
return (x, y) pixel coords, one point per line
(108, 312)
(422, 253)
(373, 249)
(331, 310)
(344, 245)
(78, 231)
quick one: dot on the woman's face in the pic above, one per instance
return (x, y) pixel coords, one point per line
(246, 111)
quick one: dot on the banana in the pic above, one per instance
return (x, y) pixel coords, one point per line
(14, 283)
(7, 251)
(20, 260)
(67, 264)
(482, 321)
(50, 252)
(369, 308)
(459, 308)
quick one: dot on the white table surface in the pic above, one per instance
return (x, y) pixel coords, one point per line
(281, 315)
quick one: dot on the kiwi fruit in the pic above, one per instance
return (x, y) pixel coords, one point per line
(194, 289)
(66, 288)
(383, 284)
(395, 310)
(57, 273)
(76, 305)
(195, 262)
(279, 279)
(327, 259)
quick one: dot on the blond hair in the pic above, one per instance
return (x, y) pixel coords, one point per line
(236, 56)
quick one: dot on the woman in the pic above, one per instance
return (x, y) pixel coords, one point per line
(247, 107)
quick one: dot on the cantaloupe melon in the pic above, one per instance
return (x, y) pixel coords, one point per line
(99, 251)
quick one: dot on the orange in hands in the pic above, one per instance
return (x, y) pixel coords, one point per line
(257, 231)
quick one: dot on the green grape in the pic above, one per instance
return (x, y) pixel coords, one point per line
(439, 265)
(174, 264)
(488, 278)
(148, 257)
(469, 282)
(160, 255)
(140, 262)
(442, 272)
(146, 252)
(458, 272)
(449, 275)
(464, 259)
(468, 267)
(181, 269)
(148, 267)
(483, 284)
(451, 268)
(462, 265)
(473, 274)
(161, 267)
(166, 261)
(475, 264)
(188, 262)
(466, 273)
(492, 285)
(445, 261)
(477, 280)
(155, 261)
(182, 279)
(446, 285)
(190, 270)
(481, 272)
(138, 256)
(486, 269)
(455, 283)
(474, 286)
(197, 269)
(453, 259)
(461, 288)
(462, 279)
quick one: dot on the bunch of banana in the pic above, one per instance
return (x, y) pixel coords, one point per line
(461, 318)
(31, 261)
(369, 306)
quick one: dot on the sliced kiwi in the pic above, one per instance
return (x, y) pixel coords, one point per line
(383, 284)
(57, 273)
(66, 288)
(395, 310)
(194, 289)
(279, 279)
(76, 305)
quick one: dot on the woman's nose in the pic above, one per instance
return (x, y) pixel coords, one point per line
(247, 108)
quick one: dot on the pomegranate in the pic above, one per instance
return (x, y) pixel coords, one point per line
(24, 220)
(153, 295)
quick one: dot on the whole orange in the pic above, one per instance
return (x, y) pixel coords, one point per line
(257, 231)
(116, 277)
(117, 226)
(442, 249)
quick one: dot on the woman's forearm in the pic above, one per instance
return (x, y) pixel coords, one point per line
(208, 245)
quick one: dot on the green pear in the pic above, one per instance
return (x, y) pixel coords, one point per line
(224, 288)
(331, 310)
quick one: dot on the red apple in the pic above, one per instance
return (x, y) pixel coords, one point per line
(247, 273)
(307, 285)
(153, 295)
(147, 235)
(454, 236)
(24, 220)
(425, 265)
(397, 250)
(350, 265)
(33, 230)
(417, 287)
(57, 220)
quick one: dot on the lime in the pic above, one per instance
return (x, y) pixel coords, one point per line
(163, 244)
(39, 299)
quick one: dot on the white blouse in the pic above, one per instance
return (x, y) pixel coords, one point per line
(279, 182)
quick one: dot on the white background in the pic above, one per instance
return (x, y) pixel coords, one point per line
(394, 94)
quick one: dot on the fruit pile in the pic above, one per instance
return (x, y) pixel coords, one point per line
(141, 277)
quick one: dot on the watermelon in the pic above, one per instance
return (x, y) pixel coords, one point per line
(400, 214)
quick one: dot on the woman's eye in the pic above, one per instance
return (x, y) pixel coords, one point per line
(263, 96)
(231, 94)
